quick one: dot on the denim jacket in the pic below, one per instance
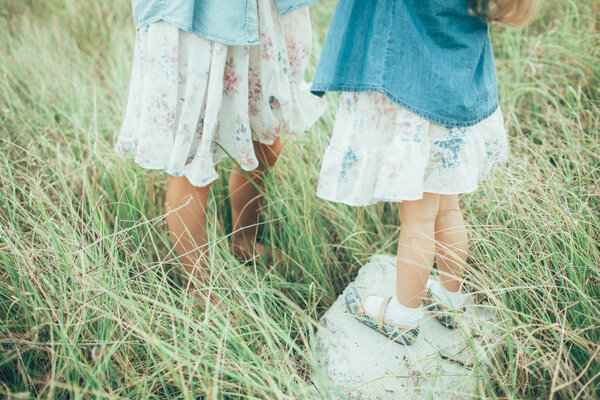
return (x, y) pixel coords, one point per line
(232, 22)
(430, 56)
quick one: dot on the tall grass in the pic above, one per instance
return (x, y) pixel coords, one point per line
(91, 303)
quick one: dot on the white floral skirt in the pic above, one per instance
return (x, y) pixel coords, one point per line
(379, 151)
(193, 101)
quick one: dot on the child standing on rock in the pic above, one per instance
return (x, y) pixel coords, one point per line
(213, 80)
(418, 124)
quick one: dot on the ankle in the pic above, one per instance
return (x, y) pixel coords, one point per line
(455, 299)
(452, 285)
(395, 312)
(411, 303)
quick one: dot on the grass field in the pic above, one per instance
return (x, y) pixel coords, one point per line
(90, 306)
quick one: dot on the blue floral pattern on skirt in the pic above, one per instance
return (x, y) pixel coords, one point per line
(379, 151)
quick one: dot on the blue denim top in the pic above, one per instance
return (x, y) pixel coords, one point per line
(232, 22)
(430, 56)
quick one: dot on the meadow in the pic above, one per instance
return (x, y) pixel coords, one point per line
(92, 306)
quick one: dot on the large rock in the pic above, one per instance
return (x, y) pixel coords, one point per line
(363, 364)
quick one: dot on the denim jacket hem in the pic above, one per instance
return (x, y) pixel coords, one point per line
(187, 28)
(296, 6)
(320, 90)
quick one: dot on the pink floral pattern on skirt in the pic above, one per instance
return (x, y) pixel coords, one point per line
(193, 101)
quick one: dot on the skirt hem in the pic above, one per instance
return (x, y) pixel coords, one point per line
(202, 182)
(377, 200)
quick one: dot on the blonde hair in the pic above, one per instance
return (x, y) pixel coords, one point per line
(515, 13)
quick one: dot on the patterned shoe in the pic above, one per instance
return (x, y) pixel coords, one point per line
(398, 333)
(442, 312)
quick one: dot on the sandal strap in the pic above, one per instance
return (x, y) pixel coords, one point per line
(359, 303)
(384, 304)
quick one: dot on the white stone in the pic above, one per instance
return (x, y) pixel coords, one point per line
(360, 363)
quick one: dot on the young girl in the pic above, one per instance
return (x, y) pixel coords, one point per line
(211, 81)
(418, 123)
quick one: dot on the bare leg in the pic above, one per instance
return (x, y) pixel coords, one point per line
(416, 248)
(451, 242)
(246, 200)
(187, 226)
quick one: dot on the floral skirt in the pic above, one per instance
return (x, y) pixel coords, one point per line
(379, 151)
(193, 101)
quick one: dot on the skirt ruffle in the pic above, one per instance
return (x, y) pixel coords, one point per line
(380, 151)
(193, 101)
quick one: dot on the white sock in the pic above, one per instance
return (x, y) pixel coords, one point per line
(394, 312)
(449, 299)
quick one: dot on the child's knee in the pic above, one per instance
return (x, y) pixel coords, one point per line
(414, 220)
(420, 212)
(421, 222)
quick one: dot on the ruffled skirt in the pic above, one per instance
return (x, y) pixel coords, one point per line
(380, 151)
(193, 101)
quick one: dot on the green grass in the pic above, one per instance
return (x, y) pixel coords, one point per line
(91, 306)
